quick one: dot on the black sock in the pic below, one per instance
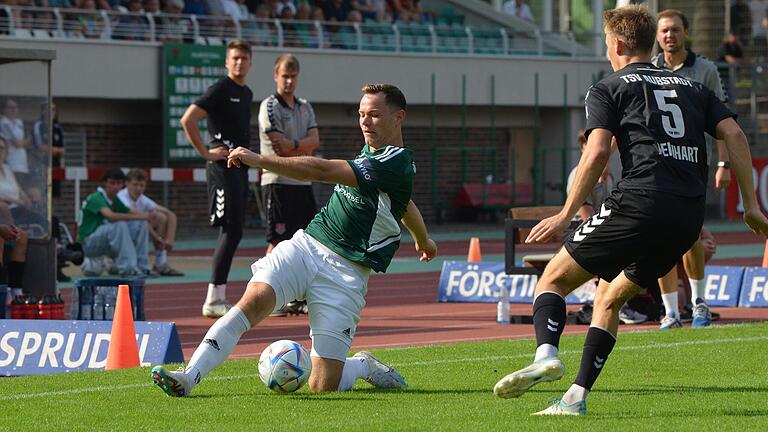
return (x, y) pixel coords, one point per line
(598, 344)
(548, 318)
(15, 274)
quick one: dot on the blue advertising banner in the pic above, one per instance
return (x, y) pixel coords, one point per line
(480, 282)
(722, 285)
(37, 347)
(754, 288)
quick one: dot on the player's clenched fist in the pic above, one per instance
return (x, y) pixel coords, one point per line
(241, 155)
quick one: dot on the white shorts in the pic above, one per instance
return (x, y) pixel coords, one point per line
(334, 287)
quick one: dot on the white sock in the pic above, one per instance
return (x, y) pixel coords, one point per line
(354, 368)
(670, 303)
(545, 351)
(216, 292)
(160, 258)
(575, 393)
(217, 344)
(697, 289)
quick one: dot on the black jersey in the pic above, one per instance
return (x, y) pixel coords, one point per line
(659, 120)
(229, 113)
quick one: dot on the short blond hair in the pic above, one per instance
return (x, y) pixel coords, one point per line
(289, 60)
(137, 174)
(634, 25)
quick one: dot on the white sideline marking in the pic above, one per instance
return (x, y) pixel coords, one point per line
(456, 360)
(619, 348)
(108, 388)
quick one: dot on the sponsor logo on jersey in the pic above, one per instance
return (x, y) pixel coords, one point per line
(234, 99)
(347, 194)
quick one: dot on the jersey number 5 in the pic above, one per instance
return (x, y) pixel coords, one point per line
(674, 126)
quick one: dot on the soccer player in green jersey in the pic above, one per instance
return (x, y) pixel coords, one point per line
(328, 264)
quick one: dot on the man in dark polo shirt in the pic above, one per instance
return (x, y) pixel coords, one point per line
(227, 106)
(287, 127)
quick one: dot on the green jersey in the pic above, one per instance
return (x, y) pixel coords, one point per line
(91, 212)
(362, 224)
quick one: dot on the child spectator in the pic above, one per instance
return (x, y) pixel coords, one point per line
(109, 228)
(162, 221)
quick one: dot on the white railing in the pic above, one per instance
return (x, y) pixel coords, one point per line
(141, 27)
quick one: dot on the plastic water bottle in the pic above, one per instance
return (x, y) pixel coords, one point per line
(502, 308)
(110, 297)
(98, 304)
(86, 303)
(5, 294)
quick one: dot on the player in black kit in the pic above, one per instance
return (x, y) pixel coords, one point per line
(227, 105)
(653, 216)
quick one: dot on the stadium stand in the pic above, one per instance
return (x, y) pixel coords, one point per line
(443, 32)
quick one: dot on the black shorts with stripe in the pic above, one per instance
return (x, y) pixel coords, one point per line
(643, 233)
(227, 193)
(289, 209)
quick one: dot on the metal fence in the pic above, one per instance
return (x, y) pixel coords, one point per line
(444, 38)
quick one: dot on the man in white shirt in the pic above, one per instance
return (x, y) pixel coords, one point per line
(162, 221)
(519, 9)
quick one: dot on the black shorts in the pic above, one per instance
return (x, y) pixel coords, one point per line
(643, 233)
(289, 209)
(227, 193)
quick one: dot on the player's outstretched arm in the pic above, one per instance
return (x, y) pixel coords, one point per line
(590, 167)
(413, 220)
(741, 163)
(306, 168)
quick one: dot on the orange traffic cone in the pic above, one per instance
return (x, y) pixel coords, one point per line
(474, 250)
(765, 255)
(123, 350)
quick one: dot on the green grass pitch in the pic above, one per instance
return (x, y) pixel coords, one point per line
(704, 379)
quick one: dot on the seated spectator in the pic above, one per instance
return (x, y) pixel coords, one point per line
(109, 228)
(280, 5)
(15, 204)
(195, 7)
(519, 9)
(133, 26)
(15, 247)
(12, 129)
(112, 5)
(260, 30)
(90, 21)
(11, 194)
(370, 9)
(236, 9)
(162, 221)
(303, 12)
(336, 10)
(170, 26)
(152, 6)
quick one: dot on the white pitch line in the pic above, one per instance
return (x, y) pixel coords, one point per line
(618, 348)
(431, 362)
(107, 388)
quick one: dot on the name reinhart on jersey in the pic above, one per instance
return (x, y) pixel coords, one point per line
(679, 152)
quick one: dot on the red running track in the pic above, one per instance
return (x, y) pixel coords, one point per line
(401, 311)
(401, 308)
